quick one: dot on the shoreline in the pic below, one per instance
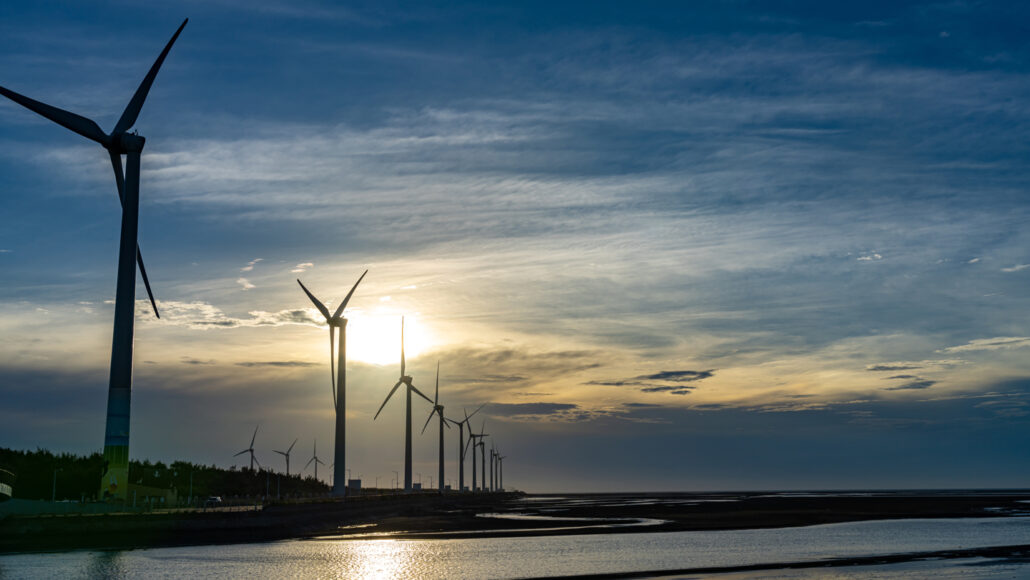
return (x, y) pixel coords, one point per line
(459, 516)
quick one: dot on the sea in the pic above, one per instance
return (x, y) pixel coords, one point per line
(653, 553)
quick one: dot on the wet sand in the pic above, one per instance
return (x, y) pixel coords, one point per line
(461, 516)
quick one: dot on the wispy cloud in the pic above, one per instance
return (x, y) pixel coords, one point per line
(245, 284)
(201, 315)
(250, 265)
(302, 267)
(1016, 268)
(996, 343)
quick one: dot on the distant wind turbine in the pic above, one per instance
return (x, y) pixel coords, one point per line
(500, 471)
(339, 382)
(118, 142)
(286, 454)
(482, 450)
(463, 447)
(250, 450)
(404, 380)
(314, 458)
(438, 410)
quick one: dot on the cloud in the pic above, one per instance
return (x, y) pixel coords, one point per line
(870, 258)
(647, 383)
(192, 361)
(278, 364)
(913, 385)
(302, 267)
(250, 265)
(672, 390)
(2, 251)
(912, 365)
(245, 283)
(1016, 268)
(201, 315)
(678, 376)
(902, 377)
(996, 343)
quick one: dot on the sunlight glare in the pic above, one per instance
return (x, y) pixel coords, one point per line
(375, 337)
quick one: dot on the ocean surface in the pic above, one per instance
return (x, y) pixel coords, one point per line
(474, 557)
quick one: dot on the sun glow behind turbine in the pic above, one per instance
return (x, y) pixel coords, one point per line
(374, 338)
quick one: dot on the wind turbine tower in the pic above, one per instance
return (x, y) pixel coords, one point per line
(114, 481)
(339, 382)
(404, 380)
(482, 451)
(438, 410)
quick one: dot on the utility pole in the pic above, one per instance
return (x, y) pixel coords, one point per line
(53, 491)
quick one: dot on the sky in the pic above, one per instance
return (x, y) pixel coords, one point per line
(669, 246)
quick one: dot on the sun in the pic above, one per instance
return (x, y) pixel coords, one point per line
(375, 337)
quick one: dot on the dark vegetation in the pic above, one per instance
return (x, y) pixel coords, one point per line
(78, 478)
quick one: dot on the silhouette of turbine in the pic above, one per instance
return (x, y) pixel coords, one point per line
(286, 454)
(438, 410)
(404, 380)
(339, 382)
(462, 447)
(250, 450)
(118, 142)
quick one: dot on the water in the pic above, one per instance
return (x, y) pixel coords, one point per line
(544, 556)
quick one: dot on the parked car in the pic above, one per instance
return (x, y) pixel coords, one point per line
(213, 501)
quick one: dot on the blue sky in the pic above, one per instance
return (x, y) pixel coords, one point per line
(671, 246)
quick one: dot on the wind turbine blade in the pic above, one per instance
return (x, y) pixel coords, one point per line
(254, 437)
(283, 453)
(392, 391)
(308, 464)
(444, 420)
(343, 304)
(288, 450)
(77, 123)
(241, 452)
(146, 281)
(436, 398)
(252, 456)
(402, 346)
(467, 443)
(428, 419)
(421, 394)
(467, 416)
(321, 307)
(332, 362)
(132, 110)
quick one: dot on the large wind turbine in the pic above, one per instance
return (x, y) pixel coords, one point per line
(500, 471)
(462, 447)
(405, 380)
(493, 466)
(438, 410)
(314, 457)
(339, 382)
(286, 454)
(251, 450)
(118, 142)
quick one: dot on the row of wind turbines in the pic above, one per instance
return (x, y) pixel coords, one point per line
(338, 376)
(121, 142)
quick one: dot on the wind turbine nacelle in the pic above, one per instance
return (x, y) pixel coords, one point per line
(127, 142)
(406, 380)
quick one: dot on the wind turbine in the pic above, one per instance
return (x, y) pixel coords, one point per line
(118, 142)
(500, 471)
(286, 454)
(482, 450)
(438, 410)
(405, 380)
(251, 450)
(339, 382)
(462, 448)
(493, 466)
(314, 457)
